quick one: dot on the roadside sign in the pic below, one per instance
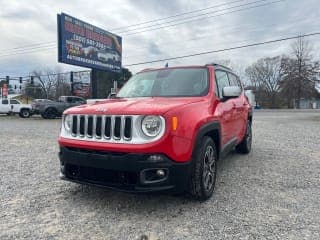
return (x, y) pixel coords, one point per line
(82, 44)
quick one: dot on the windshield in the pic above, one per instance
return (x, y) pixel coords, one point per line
(178, 82)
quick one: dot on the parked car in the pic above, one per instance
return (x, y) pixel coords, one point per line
(108, 56)
(13, 106)
(53, 109)
(165, 131)
(90, 51)
(36, 105)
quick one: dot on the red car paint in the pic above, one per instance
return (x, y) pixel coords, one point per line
(192, 113)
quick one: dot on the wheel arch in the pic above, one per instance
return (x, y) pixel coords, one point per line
(212, 130)
(51, 107)
(25, 108)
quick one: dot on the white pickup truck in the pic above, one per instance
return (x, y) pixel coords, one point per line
(13, 106)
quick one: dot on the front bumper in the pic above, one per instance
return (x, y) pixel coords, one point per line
(130, 172)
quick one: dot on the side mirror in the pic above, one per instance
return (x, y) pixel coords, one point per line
(231, 92)
(112, 95)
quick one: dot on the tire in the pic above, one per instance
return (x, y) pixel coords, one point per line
(203, 176)
(44, 116)
(25, 113)
(245, 145)
(50, 113)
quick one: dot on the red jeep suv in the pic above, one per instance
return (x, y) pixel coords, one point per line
(164, 131)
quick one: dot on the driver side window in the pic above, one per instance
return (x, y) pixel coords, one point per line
(221, 81)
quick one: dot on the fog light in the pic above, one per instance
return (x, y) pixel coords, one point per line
(148, 176)
(155, 158)
(161, 173)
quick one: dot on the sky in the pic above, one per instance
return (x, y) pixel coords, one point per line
(28, 39)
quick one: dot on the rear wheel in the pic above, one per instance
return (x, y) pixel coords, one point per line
(245, 145)
(203, 177)
(50, 113)
(25, 113)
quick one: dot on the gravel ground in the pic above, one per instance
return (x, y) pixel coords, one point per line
(272, 193)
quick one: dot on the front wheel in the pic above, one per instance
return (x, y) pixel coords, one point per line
(204, 173)
(25, 113)
(245, 145)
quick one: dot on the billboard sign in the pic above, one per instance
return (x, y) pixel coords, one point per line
(82, 44)
(82, 84)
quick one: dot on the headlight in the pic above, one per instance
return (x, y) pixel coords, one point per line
(67, 122)
(151, 126)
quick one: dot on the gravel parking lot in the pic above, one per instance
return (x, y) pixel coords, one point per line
(272, 193)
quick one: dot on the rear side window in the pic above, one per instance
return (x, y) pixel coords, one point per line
(14, 101)
(78, 100)
(222, 81)
(70, 100)
(5, 101)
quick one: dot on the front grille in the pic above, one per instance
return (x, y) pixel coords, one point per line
(102, 127)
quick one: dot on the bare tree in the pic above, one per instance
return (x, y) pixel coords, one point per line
(52, 83)
(299, 72)
(46, 80)
(265, 76)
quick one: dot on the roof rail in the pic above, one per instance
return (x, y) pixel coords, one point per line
(218, 65)
(146, 69)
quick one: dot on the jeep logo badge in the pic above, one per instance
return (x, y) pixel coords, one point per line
(101, 109)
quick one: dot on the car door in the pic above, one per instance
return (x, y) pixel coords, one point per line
(4, 106)
(225, 109)
(14, 105)
(239, 107)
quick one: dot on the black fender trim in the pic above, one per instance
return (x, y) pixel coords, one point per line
(203, 131)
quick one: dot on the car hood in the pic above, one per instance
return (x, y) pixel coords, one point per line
(133, 106)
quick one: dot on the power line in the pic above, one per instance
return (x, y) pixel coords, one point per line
(204, 53)
(142, 23)
(152, 29)
(225, 35)
(196, 16)
(177, 15)
(27, 46)
(44, 75)
(28, 51)
(218, 15)
(209, 52)
(225, 49)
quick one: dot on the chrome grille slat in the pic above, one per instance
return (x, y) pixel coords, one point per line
(86, 125)
(79, 125)
(98, 127)
(122, 119)
(94, 119)
(112, 127)
(103, 122)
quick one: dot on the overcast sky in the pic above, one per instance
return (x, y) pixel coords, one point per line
(24, 23)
